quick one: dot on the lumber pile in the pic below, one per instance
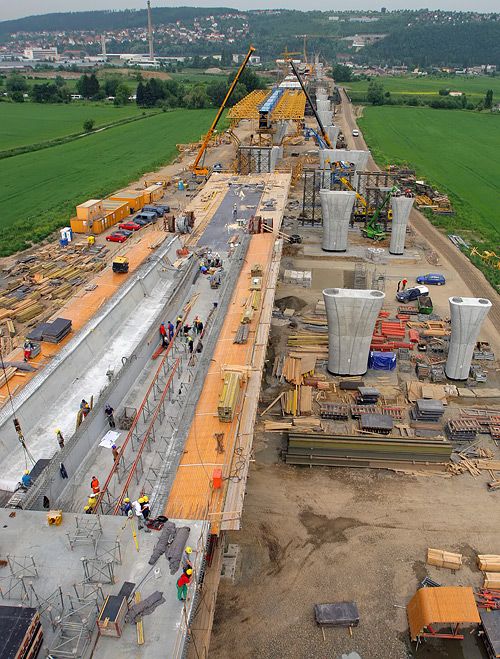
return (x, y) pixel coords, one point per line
(296, 366)
(491, 580)
(7, 374)
(305, 425)
(297, 401)
(229, 396)
(441, 558)
(488, 562)
(308, 339)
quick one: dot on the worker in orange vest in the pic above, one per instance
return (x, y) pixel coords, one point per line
(94, 484)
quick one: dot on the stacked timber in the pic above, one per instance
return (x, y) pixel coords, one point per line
(366, 451)
(491, 580)
(296, 366)
(441, 558)
(304, 424)
(229, 396)
(7, 374)
(488, 562)
(297, 401)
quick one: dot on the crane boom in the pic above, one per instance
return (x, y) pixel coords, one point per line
(324, 134)
(203, 171)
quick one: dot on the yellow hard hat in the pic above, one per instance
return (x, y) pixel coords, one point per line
(146, 499)
(189, 550)
(26, 471)
(189, 571)
(126, 500)
(57, 431)
(141, 500)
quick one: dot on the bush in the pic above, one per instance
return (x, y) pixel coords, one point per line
(17, 97)
(88, 125)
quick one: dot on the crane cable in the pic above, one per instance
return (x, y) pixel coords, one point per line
(17, 425)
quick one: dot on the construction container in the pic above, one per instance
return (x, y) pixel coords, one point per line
(89, 210)
(153, 193)
(134, 198)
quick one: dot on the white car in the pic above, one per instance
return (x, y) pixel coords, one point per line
(355, 132)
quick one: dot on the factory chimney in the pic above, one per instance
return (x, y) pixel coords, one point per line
(150, 32)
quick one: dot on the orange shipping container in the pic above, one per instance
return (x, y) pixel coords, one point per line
(134, 198)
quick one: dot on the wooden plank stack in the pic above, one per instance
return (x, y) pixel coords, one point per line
(441, 558)
(488, 562)
(491, 580)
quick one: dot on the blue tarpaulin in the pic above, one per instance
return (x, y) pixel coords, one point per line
(382, 361)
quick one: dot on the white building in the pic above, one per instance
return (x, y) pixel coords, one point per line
(43, 54)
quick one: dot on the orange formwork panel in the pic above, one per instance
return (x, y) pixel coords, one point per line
(193, 495)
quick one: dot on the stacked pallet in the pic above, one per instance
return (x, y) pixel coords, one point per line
(488, 562)
(462, 430)
(429, 411)
(335, 411)
(441, 558)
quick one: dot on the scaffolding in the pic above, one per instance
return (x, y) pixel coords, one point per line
(253, 160)
(314, 181)
(88, 530)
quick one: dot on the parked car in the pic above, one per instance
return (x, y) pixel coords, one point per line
(432, 278)
(130, 226)
(116, 237)
(355, 132)
(411, 294)
(125, 232)
(149, 217)
(141, 222)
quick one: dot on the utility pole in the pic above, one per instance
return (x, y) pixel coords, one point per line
(103, 45)
(150, 32)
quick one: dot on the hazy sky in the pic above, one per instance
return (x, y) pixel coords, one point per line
(18, 8)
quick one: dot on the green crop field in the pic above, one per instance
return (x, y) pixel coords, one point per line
(42, 188)
(474, 87)
(31, 123)
(456, 151)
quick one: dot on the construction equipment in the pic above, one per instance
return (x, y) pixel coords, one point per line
(373, 229)
(293, 239)
(120, 264)
(324, 134)
(196, 168)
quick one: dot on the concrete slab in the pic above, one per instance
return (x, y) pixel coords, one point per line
(28, 534)
(359, 252)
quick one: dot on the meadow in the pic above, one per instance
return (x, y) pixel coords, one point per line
(455, 150)
(32, 123)
(42, 188)
(474, 87)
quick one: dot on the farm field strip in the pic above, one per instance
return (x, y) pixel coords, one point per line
(473, 87)
(42, 188)
(455, 150)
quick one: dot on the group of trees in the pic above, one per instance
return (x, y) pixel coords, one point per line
(90, 88)
(172, 94)
(377, 96)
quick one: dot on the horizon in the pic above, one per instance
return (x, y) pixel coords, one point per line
(27, 8)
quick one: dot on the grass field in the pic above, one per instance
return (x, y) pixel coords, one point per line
(457, 151)
(30, 123)
(41, 189)
(474, 87)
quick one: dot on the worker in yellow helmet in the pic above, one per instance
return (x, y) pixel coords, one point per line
(126, 506)
(144, 501)
(92, 501)
(60, 438)
(187, 559)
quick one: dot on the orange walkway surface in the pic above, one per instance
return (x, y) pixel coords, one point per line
(83, 305)
(192, 495)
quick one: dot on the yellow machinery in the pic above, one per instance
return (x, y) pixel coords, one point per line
(229, 397)
(490, 258)
(120, 264)
(196, 168)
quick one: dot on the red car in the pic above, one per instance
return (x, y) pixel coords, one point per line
(130, 226)
(117, 238)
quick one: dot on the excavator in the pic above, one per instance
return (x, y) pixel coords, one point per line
(196, 168)
(373, 229)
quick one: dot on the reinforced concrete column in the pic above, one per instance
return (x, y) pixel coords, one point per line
(336, 208)
(326, 117)
(351, 316)
(467, 316)
(401, 207)
(333, 133)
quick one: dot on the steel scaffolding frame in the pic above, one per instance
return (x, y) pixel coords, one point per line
(88, 531)
(254, 160)
(314, 181)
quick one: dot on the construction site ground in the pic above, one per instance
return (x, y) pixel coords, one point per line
(317, 535)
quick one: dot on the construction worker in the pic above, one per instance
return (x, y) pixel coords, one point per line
(182, 584)
(60, 438)
(108, 411)
(186, 329)
(87, 510)
(163, 335)
(404, 282)
(136, 507)
(85, 407)
(235, 211)
(92, 501)
(126, 506)
(145, 507)
(94, 484)
(28, 349)
(90, 241)
(26, 480)
(198, 326)
(399, 285)
(116, 452)
(171, 330)
(178, 321)
(186, 559)
(190, 344)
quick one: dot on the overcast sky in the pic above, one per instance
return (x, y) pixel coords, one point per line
(18, 8)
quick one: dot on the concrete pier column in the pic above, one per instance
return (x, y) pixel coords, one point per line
(333, 133)
(351, 316)
(467, 316)
(336, 208)
(326, 117)
(401, 207)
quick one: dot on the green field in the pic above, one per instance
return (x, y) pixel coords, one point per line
(42, 188)
(457, 151)
(474, 87)
(31, 123)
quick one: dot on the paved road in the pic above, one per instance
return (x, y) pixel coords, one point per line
(473, 277)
